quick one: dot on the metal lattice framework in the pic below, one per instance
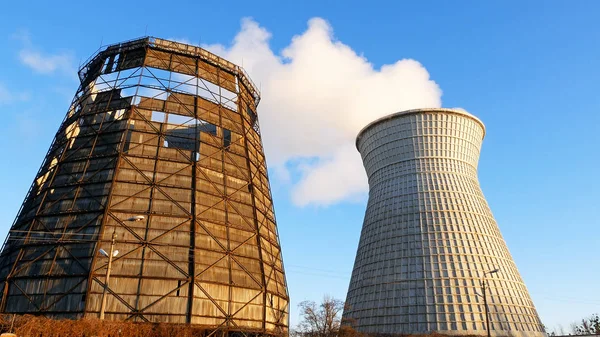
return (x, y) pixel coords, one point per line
(167, 132)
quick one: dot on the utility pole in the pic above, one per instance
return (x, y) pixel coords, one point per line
(110, 257)
(487, 314)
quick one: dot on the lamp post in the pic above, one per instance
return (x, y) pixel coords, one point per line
(107, 278)
(112, 253)
(487, 314)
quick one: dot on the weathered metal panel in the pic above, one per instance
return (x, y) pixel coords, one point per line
(174, 140)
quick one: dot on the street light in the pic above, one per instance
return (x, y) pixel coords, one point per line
(105, 254)
(487, 315)
(110, 255)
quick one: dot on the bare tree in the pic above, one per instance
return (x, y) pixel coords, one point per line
(320, 320)
(588, 326)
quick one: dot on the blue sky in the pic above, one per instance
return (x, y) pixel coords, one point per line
(529, 71)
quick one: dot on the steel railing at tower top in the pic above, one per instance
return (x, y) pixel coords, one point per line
(178, 47)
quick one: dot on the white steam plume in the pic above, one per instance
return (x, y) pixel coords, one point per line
(316, 95)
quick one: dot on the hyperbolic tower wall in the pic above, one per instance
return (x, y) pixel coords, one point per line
(429, 236)
(169, 132)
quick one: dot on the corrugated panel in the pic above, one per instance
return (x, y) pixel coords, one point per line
(184, 162)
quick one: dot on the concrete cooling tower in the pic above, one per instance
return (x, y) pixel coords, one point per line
(430, 248)
(158, 176)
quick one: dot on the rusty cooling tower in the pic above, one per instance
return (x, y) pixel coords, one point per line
(161, 147)
(430, 253)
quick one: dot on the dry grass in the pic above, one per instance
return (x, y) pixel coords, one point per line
(38, 326)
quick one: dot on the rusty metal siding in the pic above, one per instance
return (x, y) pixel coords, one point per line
(169, 132)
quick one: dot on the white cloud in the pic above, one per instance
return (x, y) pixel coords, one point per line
(316, 95)
(7, 96)
(28, 125)
(337, 177)
(41, 62)
(45, 63)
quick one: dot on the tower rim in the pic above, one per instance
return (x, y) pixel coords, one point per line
(177, 47)
(414, 112)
